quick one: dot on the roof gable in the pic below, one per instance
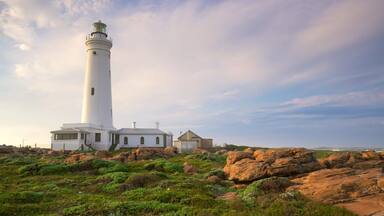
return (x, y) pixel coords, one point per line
(188, 135)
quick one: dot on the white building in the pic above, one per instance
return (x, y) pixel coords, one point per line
(190, 141)
(96, 130)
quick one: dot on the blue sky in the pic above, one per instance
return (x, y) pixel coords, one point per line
(266, 73)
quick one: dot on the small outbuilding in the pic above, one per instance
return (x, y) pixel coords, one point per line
(189, 141)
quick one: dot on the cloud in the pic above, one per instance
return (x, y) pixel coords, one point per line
(362, 98)
(342, 25)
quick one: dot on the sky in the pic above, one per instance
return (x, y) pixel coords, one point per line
(261, 73)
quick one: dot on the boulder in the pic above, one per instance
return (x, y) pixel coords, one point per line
(123, 157)
(339, 184)
(170, 151)
(248, 150)
(357, 190)
(200, 151)
(370, 155)
(258, 154)
(234, 156)
(189, 169)
(243, 167)
(74, 158)
(102, 154)
(246, 170)
(213, 179)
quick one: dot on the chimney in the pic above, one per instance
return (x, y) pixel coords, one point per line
(157, 125)
(134, 124)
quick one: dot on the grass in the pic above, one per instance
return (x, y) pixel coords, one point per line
(33, 185)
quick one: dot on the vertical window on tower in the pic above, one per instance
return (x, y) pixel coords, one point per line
(142, 140)
(97, 137)
(92, 91)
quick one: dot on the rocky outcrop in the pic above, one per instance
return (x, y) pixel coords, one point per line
(347, 186)
(102, 154)
(357, 160)
(247, 166)
(74, 158)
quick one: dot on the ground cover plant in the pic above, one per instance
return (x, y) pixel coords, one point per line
(45, 185)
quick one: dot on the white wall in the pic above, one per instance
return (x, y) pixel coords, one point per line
(185, 146)
(69, 144)
(134, 141)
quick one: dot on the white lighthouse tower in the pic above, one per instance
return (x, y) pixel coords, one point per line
(97, 95)
(96, 131)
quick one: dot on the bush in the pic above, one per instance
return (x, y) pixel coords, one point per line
(75, 210)
(164, 166)
(22, 197)
(53, 169)
(115, 177)
(141, 180)
(31, 169)
(96, 164)
(263, 186)
(217, 172)
(115, 168)
(208, 157)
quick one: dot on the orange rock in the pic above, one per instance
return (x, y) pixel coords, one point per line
(380, 183)
(246, 170)
(338, 185)
(248, 150)
(213, 179)
(189, 169)
(229, 196)
(78, 157)
(368, 205)
(234, 156)
(102, 154)
(273, 162)
(370, 155)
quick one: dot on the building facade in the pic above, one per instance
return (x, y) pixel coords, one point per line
(96, 130)
(189, 141)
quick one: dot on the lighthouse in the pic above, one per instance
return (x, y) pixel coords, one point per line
(97, 94)
(96, 130)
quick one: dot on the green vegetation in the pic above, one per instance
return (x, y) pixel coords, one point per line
(34, 185)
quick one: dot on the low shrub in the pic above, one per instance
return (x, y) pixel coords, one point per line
(164, 166)
(216, 172)
(75, 210)
(21, 197)
(115, 177)
(263, 186)
(141, 180)
(115, 168)
(31, 169)
(53, 169)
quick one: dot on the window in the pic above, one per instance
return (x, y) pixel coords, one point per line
(66, 136)
(82, 136)
(157, 140)
(97, 137)
(125, 140)
(92, 91)
(94, 52)
(142, 140)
